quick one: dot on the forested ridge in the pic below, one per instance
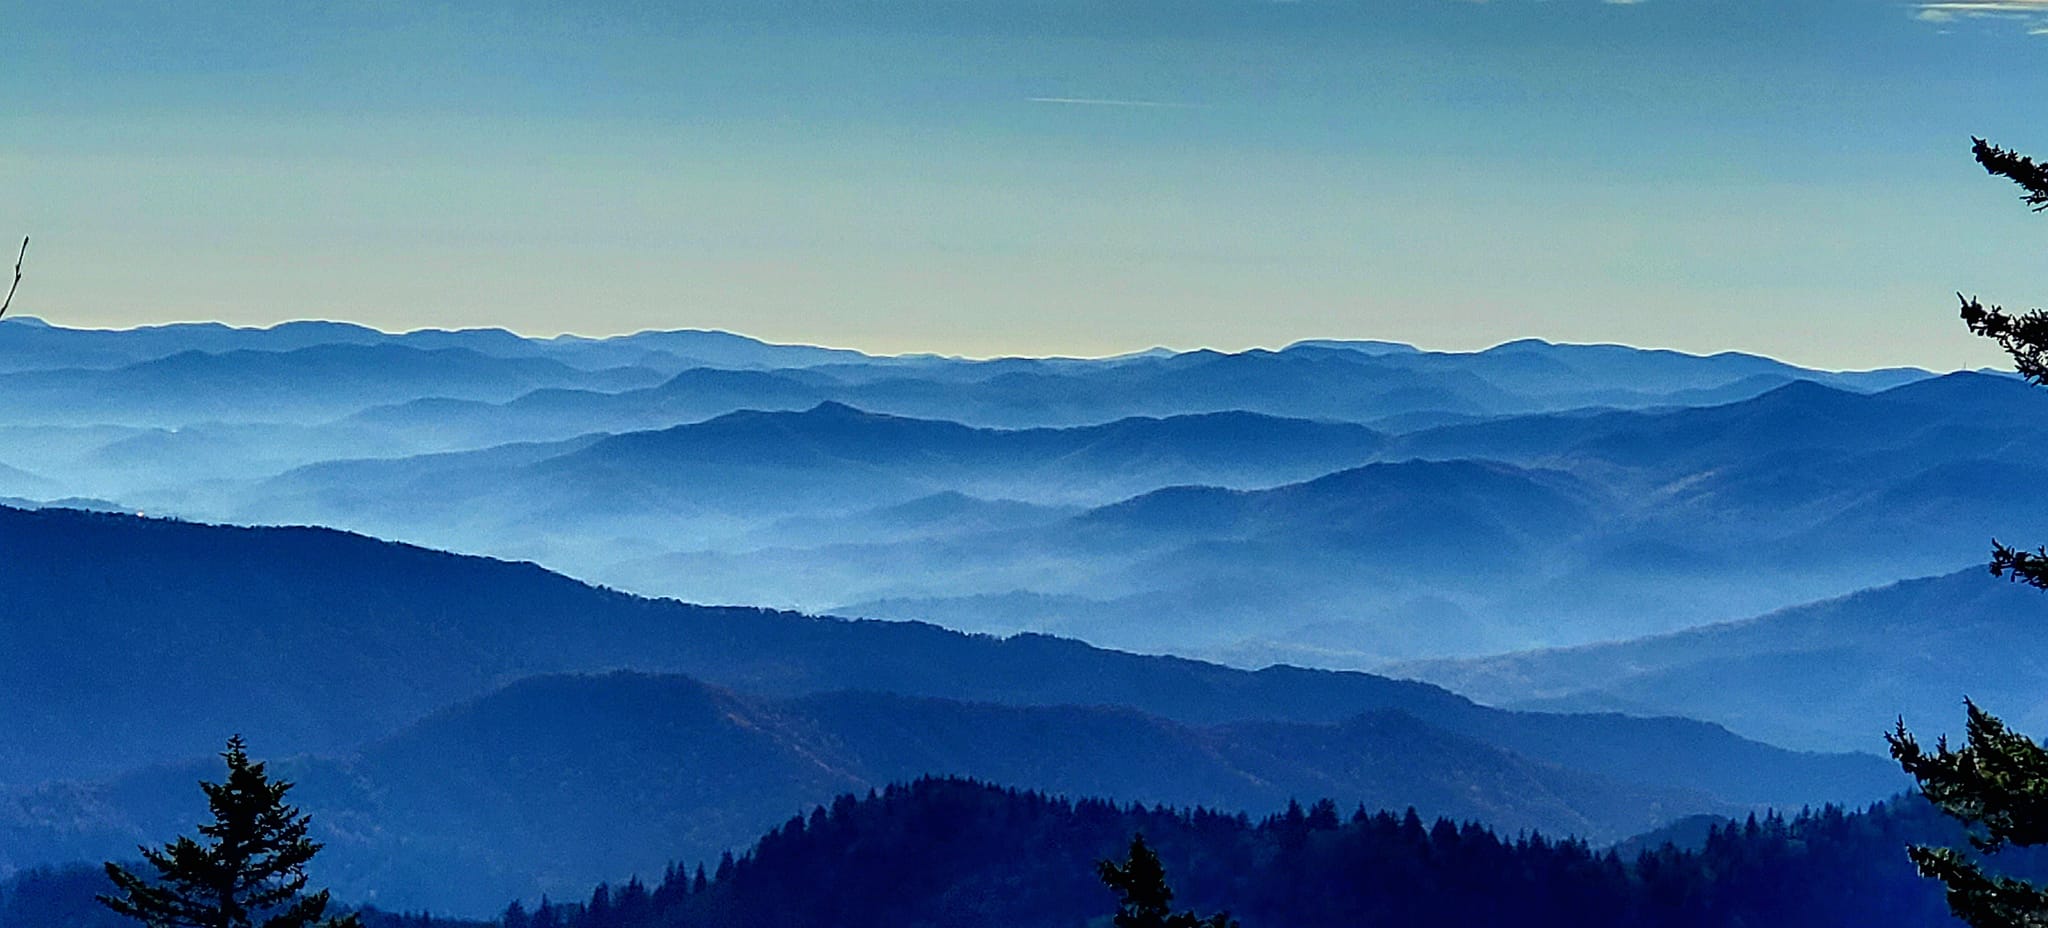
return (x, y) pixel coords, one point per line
(944, 852)
(954, 852)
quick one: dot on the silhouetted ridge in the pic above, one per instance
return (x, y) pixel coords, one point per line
(957, 852)
(949, 851)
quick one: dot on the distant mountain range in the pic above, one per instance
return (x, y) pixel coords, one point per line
(1616, 524)
(30, 344)
(1404, 390)
(187, 374)
(749, 470)
(1328, 504)
(302, 385)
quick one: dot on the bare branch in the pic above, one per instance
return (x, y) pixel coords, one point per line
(17, 278)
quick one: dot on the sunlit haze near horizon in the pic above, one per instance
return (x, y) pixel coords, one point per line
(1038, 177)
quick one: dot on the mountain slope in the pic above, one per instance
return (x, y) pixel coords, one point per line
(1629, 523)
(747, 471)
(274, 633)
(1829, 675)
(1367, 547)
(555, 783)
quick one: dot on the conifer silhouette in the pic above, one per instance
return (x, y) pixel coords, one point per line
(1147, 901)
(1998, 780)
(247, 871)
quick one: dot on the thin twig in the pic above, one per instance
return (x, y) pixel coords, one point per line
(17, 278)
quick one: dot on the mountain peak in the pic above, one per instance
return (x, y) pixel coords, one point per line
(1522, 344)
(1371, 346)
(1962, 387)
(833, 409)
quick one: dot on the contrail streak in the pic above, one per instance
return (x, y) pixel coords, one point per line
(1096, 101)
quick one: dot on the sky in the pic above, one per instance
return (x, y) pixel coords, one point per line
(1075, 177)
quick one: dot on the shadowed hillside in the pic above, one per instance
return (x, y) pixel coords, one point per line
(557, 782)
(105, 615)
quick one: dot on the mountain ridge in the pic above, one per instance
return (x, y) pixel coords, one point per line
(203, 608)
(557, 781)
(1830, 674)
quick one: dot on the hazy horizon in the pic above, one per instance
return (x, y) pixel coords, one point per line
(1993, 364)
(1038, 177)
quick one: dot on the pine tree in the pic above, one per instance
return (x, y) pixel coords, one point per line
(1998, 780)
(598, 913)
(247, 872)
(632, 903)
(1147, 902)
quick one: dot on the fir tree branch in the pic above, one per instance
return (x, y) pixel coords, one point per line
(2028, 567)
(1979, 899)
(2024, 336)
(2018, 168)
(1998, 780)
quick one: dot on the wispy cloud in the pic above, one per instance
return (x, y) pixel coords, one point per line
(2033, 14)
(1102, 101)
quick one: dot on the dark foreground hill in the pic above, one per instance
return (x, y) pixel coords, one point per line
(943, 852)
(315, 641)
(558, 782)
(952, 853)
(62, 897)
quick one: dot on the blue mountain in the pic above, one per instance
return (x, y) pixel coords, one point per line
(299, 385)
(557, 782)
(104, 616)
(1827, 675)
(32, 344)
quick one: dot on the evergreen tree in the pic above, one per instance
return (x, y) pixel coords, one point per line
(598, 913)
(1147, 902)
(547, 915)
(1998, 780)
(631, 903)
(247, 872)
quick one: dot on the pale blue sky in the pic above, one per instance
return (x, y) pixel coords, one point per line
(1784, 176)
